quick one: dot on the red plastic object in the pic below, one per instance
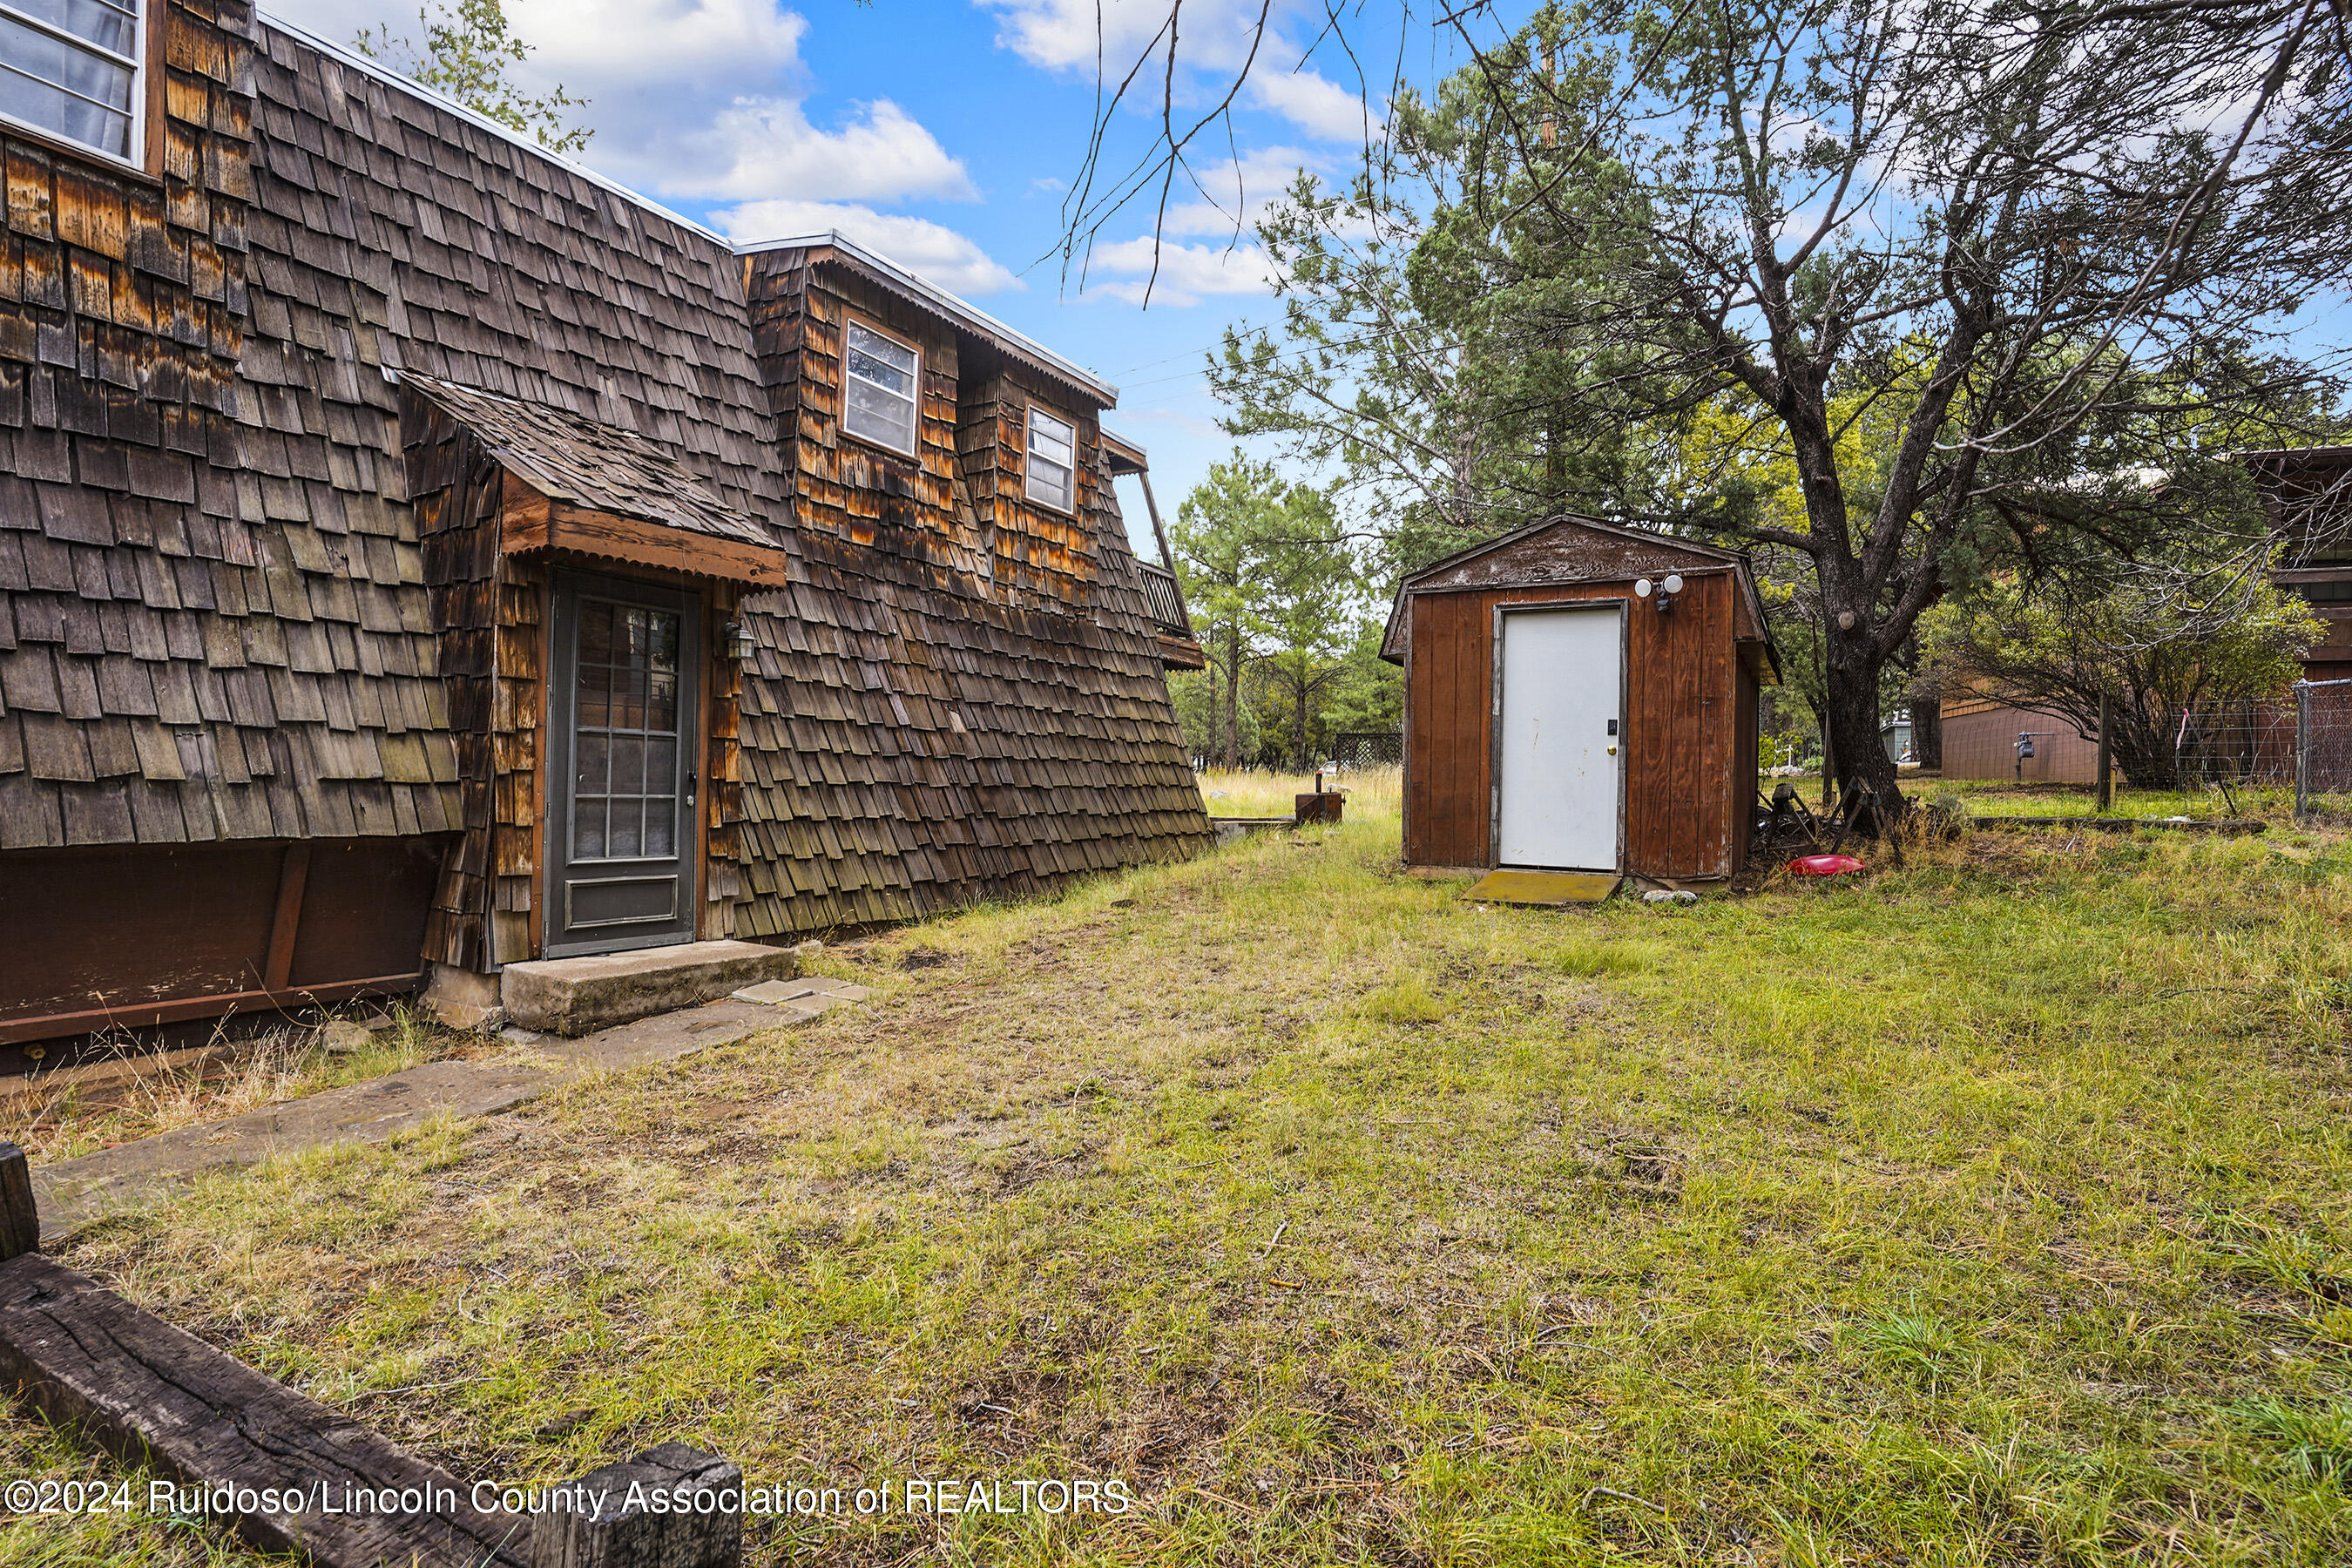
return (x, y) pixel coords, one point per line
(1824, 866)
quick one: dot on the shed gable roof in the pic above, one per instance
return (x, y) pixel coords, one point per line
(1564, 549)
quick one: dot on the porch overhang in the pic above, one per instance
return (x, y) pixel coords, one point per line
(533, 524)
(571, 484)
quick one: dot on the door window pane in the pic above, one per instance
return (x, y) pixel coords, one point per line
(629, 699)
(595, 765)
(626, 816)
(661, 825)
(628, 765)
(588, 828)
(594, 681)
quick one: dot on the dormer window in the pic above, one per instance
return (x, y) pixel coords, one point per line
(879, 401)
(71, 68)
(1052, 478)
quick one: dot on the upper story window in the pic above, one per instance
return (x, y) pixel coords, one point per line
(1051, 479)
(879, 399)
(71, 68)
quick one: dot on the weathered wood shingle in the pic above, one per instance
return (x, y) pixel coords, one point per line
(226, 613)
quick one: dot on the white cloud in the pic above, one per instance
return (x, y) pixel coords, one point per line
(1186, 272)
(1214, 40)
(1232, 194)
(763, 147)
(1315, 103)
(1062, 35)
(706, 99)
(933, 250)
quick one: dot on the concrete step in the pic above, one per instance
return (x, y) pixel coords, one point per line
(572, 996)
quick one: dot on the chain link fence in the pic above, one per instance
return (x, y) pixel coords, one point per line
(2252, 755)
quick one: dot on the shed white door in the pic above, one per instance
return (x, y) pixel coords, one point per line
(1559, 781)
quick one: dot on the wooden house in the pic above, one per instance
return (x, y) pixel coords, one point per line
(2308, 491)
(416, 550)
(1583, 697)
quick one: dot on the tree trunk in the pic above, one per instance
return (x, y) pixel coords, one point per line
(1232, 696)
(1853, 699)
(1302, 716)
(1928, 733)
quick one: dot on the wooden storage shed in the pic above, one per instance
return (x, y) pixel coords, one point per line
(1582, 697)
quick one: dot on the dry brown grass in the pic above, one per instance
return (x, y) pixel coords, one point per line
(152, 1095)
(1377, 791)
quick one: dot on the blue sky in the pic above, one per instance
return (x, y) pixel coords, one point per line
(943, 134)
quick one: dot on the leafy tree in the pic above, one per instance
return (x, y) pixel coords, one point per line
(1368, 692)
(467, 55)
(1404, 361)
(1197, 694)
(2158, 644)
(1309, 605)
(2026, 244)
(1269, 582)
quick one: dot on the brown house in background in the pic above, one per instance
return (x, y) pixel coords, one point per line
(2310, 494)
(414, 549)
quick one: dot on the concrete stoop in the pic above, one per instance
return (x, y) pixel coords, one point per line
(575, 996)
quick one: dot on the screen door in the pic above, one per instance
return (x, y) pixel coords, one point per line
(1557, 749)
(622, 766)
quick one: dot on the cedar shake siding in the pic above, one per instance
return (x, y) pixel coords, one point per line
(294, 432)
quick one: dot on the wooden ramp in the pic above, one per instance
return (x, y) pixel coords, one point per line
(1550, 890)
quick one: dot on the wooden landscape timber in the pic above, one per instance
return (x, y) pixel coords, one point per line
(240, 1451)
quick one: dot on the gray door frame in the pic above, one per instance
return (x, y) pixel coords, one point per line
(636, 876)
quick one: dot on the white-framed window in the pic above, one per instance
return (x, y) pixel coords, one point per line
(72, 68)
(1053, 475)
(880, 397)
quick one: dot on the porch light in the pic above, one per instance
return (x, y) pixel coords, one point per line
(1665, 591)
(735, 638)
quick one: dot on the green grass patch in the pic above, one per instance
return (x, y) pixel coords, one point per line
(1992, 1210)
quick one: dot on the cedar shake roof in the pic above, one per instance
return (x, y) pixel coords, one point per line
(217, 614)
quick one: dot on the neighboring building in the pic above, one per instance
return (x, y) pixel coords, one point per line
(1980, 741)
(1582, 697)
(2310, 494)
(414, 547)
(2310, 491)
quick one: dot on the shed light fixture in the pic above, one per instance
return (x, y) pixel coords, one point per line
(1644, 588)
(736, 638)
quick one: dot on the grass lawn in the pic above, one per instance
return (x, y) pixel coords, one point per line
(1994, 1211)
